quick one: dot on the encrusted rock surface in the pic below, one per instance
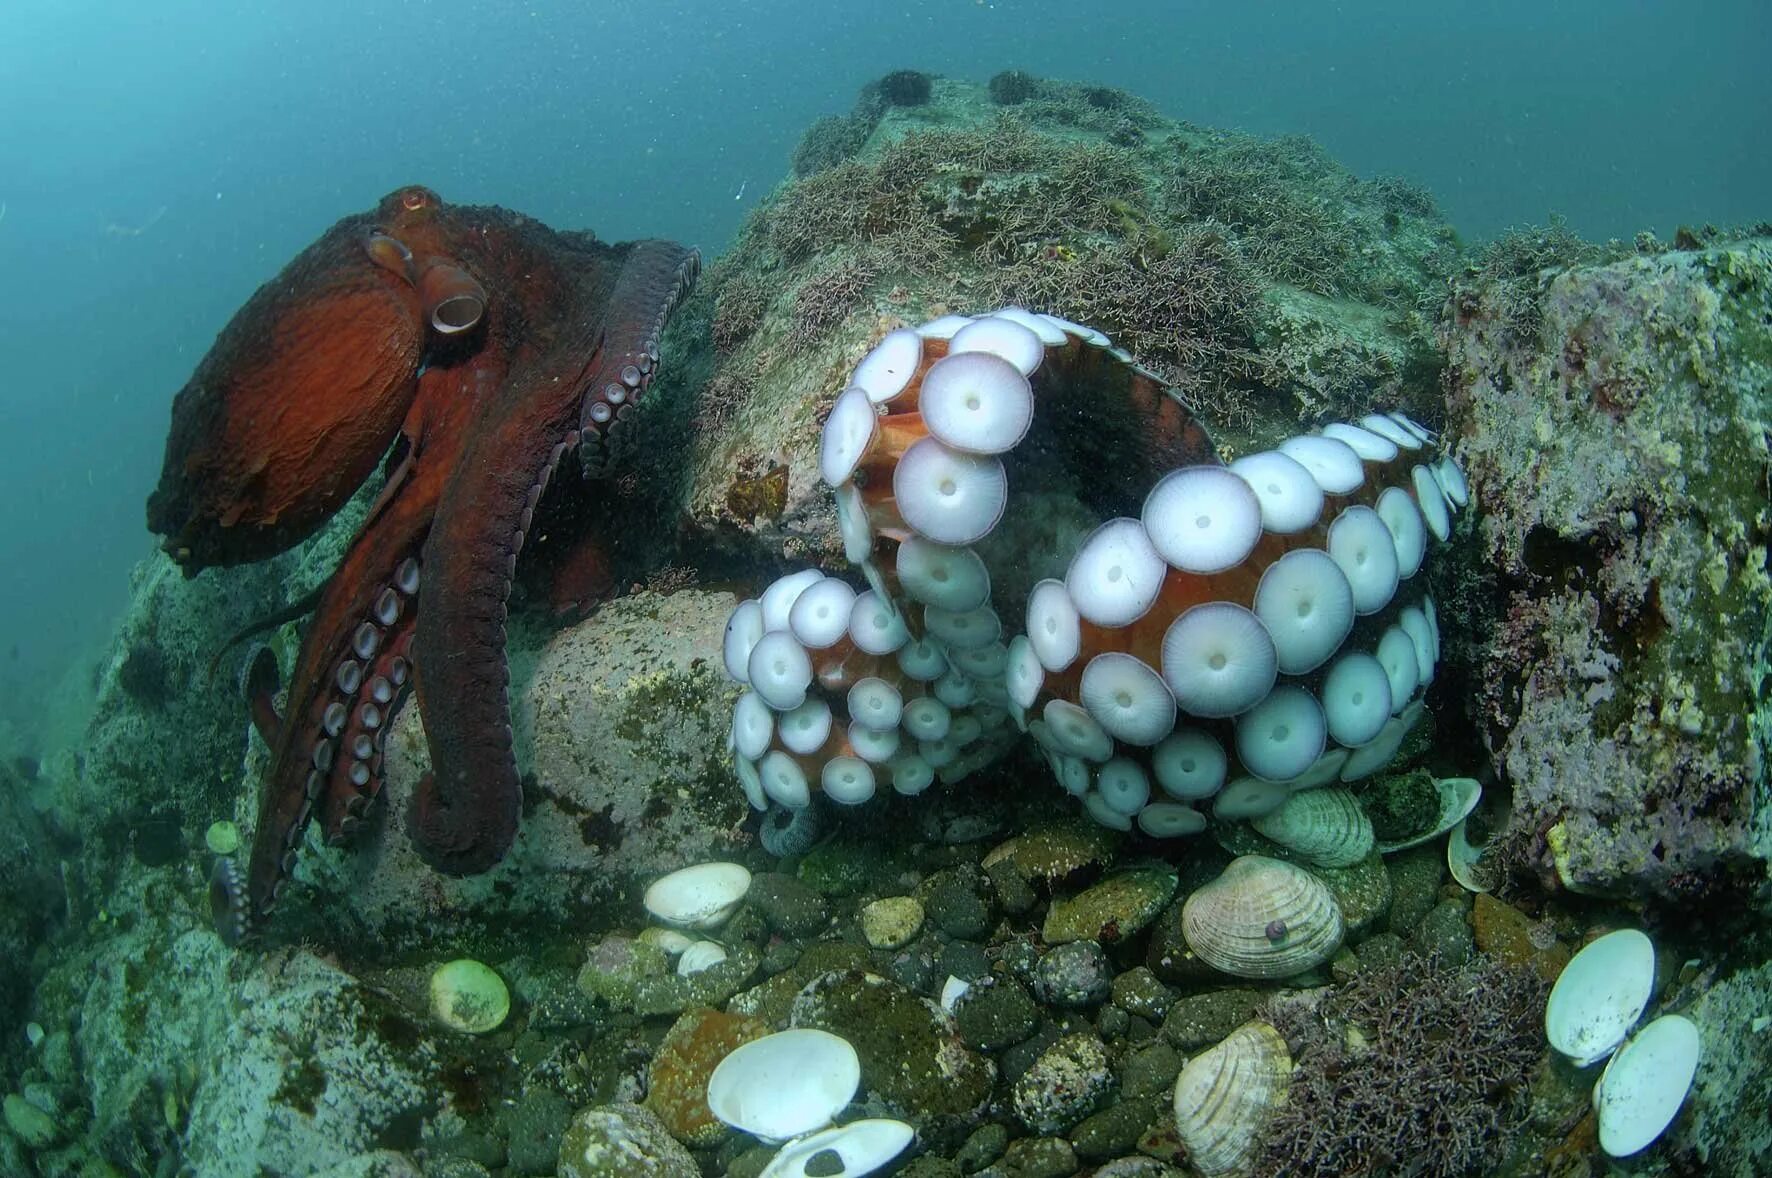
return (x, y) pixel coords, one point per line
(1614, 422)
(621, 718)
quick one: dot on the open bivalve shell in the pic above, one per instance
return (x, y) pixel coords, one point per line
(785, 1084)
(1225, 1097)
(1327, 827)
(700, 897)
(1644, 1085)
(1467, 863)
(860, 1147)
(1599, 996)
(1458, 797)
(1263, 918)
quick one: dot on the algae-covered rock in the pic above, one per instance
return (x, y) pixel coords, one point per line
(911, 1055)
(1055, 851)
(617, 965)
(1362, 892)
(1200, 1020)
(677, 1081)
(892, 922)
(1309, 291)
(623, 718)
(1115, 908)
(1070, 1079)
(996, 1013)
(1729, 1124)
(622, 1141)
(1613, 419)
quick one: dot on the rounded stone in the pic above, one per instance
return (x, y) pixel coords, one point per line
(1445, 933)
(996, 1013)
(912, 1058)
(677, 1080)
(1200, 1020)
(1139, 991)
(1070, 1080)
(957, 904)
(788, 906)
(622, 1141)
(892, 922)
(1111, 910)
(1075, 975)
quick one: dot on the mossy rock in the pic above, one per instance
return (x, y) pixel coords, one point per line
(1055, 851)
(1112, 910)
(911, 1056)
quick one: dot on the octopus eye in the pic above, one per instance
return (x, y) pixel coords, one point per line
(415, 199)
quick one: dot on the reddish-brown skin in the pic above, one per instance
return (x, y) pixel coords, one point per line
(359, 347)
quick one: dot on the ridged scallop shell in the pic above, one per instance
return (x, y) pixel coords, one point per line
(1224, 1098)
(1327, 827)
(1263, 918)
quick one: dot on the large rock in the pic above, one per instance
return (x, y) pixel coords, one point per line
(162, 1043)
(1263, 279)
(1613, 419)
(620, 724)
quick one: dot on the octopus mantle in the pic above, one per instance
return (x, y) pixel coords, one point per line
(472, 348)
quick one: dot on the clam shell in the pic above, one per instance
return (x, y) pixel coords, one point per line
(699, 897)
(861, 1148)
(785, 1084)
(1327, 827)
(1225, 1097)
(1641, 1091)
(1473, 872)
(1263, 918)
(1458, 797)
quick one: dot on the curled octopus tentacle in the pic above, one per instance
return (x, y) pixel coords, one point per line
(464, 815)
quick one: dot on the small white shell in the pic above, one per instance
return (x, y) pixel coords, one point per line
(952, 991)
(1326, 827)
(702, 896)
(699, 956)
(785, 1084)
(1225, 1097)
(862, 1147)
(1263, 918)
(1466, 865)
(1600, 995)
(1643, 1087)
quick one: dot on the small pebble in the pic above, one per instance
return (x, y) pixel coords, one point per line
(892, 922)
(1074, 975)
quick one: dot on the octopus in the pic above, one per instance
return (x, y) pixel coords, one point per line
(467, 352)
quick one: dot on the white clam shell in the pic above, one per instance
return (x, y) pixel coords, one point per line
(699, 956)
(1599, 996)
(785, 1084)
(702, 896)
(1229, 921)
(1466, 863)
(1644, 1085)
(863, 1147)
(1225, 1097)
(1327, 827)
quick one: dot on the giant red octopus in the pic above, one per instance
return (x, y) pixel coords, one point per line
(468, 350)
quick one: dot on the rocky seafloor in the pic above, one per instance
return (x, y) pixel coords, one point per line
(1607, 621)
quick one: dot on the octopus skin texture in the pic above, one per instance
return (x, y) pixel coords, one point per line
(468, 349)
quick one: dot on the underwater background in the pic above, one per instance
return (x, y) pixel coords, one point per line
(159, 163)
(1175, 591)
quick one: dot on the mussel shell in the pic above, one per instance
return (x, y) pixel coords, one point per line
(1327, 827)
(1225, 1097)
(1263, 918)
